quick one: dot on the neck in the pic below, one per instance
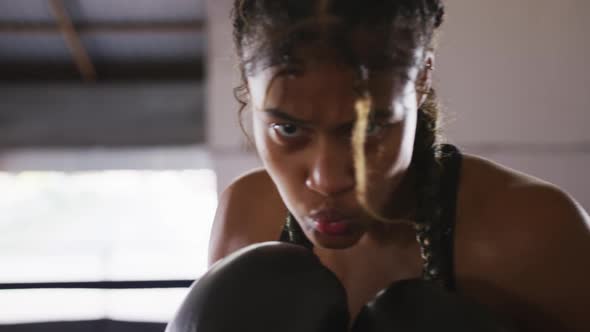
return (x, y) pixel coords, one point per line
(400, 235)
(401, 203)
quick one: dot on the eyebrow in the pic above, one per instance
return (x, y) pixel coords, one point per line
(380, 113)
(275, 112)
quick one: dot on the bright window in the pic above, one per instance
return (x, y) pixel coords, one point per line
(102, 226)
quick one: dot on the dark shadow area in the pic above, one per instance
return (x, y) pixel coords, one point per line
(103, 325)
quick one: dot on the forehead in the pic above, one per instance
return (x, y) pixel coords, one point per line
(322, 71)
(318, 71)
(323, 93)
(318, 90)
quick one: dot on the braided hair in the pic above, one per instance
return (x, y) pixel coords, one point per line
(266, 32)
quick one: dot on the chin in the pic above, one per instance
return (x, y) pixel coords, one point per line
(335, 242)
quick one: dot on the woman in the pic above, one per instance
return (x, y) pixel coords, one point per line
(345, 123)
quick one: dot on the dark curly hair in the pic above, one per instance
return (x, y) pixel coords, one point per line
(266, 32)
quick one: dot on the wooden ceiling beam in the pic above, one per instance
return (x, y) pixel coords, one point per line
(79, 53)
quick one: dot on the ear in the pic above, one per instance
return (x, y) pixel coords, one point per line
(424, 80)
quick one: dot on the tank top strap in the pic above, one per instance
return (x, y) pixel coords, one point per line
(451, 173)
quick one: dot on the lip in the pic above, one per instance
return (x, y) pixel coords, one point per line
(328, 215)
(331, 222)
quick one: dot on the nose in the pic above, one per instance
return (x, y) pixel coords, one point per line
(331, 171)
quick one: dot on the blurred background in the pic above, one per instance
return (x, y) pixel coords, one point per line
(118, 129)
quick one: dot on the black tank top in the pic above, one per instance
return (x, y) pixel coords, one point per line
(442, 245)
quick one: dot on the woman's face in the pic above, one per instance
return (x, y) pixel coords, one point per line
(303, 118)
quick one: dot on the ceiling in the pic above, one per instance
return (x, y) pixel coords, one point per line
(101, 73)
(106, 40)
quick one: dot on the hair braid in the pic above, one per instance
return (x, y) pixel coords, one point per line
(426, 158)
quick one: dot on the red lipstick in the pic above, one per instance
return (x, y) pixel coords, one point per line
(331, 222)
(333, 228)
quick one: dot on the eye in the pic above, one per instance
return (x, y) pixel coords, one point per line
(286, 130)
(374, 128)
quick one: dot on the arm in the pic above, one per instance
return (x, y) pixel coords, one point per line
(226, 235)
(540, 273)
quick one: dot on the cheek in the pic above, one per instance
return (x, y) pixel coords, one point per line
(402, 143)
(392, 155)
(267, 151)
(259, 131)
(283, 167)
(389, 161)
(407, 138)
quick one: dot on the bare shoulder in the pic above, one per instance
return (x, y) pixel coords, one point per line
(250, 210)
(495, 197)
(523, 247)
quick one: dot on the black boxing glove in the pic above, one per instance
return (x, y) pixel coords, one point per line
(421, 306)
(270, 286)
